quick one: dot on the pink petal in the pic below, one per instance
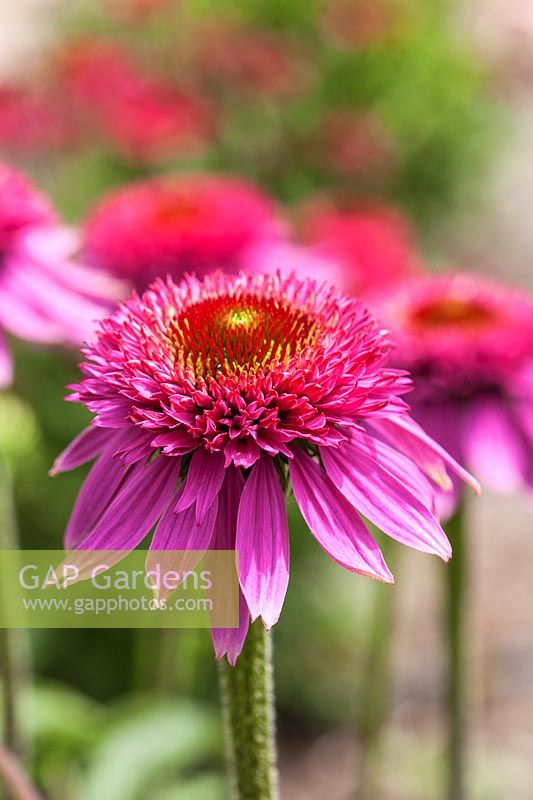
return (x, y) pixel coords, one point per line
(20, 317)
(357, 470)
(183, 539)
(203, 482)
(86, 446)
(399, 465)
(137, 507)
(493, 445)
(404, 433)
(263, 542)
(97, 492)
(334, 522)
(229, 641)
(182, 531)
(134, 445)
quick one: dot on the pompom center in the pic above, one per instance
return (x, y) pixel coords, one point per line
(453, 312)
(232, 335)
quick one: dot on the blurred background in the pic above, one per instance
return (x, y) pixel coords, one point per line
(423, 107)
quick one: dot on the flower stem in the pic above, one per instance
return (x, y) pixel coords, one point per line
(14, 646)
(247, 697)
(455, 587)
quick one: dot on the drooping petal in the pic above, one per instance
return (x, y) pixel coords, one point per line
(356, 470)
(203, 482)
(229, 641)
(86, 446)
(494, 445)
(399, 465)
(405, 434)
(134, 445)
(137, 507)
(263, 542)
(96, 494)
(183, 539)
(182, 531)
(333, 521)
(441, 421)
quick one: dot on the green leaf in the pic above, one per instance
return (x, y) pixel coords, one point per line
(144, 745)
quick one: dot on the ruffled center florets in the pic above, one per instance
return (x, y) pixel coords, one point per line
(234, 335)
(453, 312)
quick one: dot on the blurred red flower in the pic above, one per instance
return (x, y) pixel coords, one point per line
(373, 243)
(145, 117)
(35, 119)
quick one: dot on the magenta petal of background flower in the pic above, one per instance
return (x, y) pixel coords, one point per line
(334, 523)
(356, 470)
(494, 445)
(86, 446)
(263, 542)
(45, 295)
(203, 482)
(229, 641)
(137, 507)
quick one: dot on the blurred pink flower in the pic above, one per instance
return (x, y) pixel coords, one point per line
(249, 384)
(468, 343)
(177, 224)
(144, 116)
(374, 244)
(44, 295)
(35, 119)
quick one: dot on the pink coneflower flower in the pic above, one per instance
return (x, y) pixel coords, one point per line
(374, 243)
(468, 343)
(178, 224)
(44, 295)
(246, 385)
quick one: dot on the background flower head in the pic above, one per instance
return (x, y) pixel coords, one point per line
(44, 295)
(178, 224)
(242, 386)
(373, 243)
(468, 342)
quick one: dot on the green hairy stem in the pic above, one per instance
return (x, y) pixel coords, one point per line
(247, 696)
